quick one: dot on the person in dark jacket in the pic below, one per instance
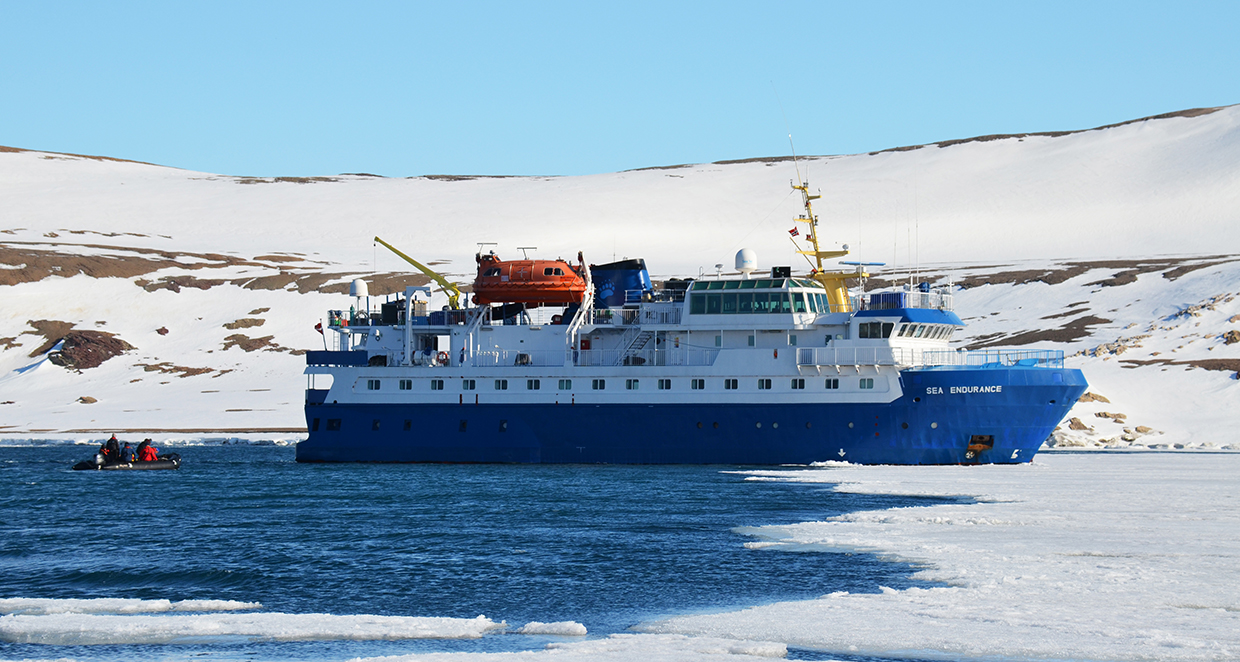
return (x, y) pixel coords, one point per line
(127, 453)
(111, 451)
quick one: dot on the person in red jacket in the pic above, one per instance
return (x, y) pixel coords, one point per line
(147, 452)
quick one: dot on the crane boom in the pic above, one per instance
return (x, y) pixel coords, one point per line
(453, 292)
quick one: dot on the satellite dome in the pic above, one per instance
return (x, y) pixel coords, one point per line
(746, 261)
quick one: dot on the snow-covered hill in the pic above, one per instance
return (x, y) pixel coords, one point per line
(1120, 245)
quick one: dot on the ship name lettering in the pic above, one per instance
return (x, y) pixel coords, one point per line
(976, 389)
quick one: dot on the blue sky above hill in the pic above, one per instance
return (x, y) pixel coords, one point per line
(403, 88)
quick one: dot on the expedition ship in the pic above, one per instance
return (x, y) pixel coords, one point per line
(736, 369)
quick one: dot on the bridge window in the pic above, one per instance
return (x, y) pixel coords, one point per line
(798, 302)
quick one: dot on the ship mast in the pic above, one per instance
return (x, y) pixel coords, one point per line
(834, 282)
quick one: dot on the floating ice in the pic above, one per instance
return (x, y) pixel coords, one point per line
(621, 648)
(565, 628)
(43, 606)
(1085, 557)
(71, 629)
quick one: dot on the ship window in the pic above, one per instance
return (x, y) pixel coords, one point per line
(748, 284)
(372, 384)
(436, 384)
(665, 384)
(906, 330)
(785, 303)
(548, 271)
(752, 340)
(718, 341)
(632, 384)
(921, 330)
(798, 384)
(764, 384)
(697, 304)
(729, 302)
(408, 424)
(468, 384)
(764, 284)
(566, 384)
(731, 284)
(777, 283)
(599, 384)
(374, 424)
(533, 384)
(715, 285)
(813, 302)
(463, 425)
(503, 425)
(314, 425)
(697, 384)
(887, 329)
(798, 302)
(491, 272)
(713, 304)
(501, 385)
(792, 339)
(333, 424)
(406, 384)
(867, 382)
(744, 302)
(823, 305)
(761, 302)
(731, 384)
(833, 383)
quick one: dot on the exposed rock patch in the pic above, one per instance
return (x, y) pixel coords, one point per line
(167, 368)
(88, 349)
(1231, 337)
(245, 323)
(51, 330)
(163, 330)
(87, 400)
(1070, 332)
(1093, 397)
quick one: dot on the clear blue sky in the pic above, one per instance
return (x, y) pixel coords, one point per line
(407, 88)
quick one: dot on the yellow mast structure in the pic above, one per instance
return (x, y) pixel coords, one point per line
(832, 281)
(453, 292)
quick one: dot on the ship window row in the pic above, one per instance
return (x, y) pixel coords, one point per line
(729, 384)
(751, 303)
(928, 331)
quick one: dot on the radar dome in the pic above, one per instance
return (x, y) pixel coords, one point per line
(358, 288)
(746, 261)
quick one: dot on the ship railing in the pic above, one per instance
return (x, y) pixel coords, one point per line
(646, 314)
(1032, 358)
(645, 357)
(823, 356)
(889, 300)
(492, 358)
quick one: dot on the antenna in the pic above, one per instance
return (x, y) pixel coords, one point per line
(485, 243)
(523, 250)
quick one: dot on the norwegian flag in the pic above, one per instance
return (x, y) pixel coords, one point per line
(794, 232)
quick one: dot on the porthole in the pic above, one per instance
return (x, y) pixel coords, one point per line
(916, 399)
(934, 425)
(904, 426)
(716, 424)
(808, 426)
(850, 425)
(699, 425)
(759, 425)
(774, 425)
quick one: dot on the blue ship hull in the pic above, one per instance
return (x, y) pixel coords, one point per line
(941, 414)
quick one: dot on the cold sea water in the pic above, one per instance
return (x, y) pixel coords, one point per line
(607, 547)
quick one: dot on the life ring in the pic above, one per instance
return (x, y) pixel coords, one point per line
(442, 357)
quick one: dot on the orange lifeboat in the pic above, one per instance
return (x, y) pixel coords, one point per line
(531, 282)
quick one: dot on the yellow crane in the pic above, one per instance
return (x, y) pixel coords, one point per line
(453, 292)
